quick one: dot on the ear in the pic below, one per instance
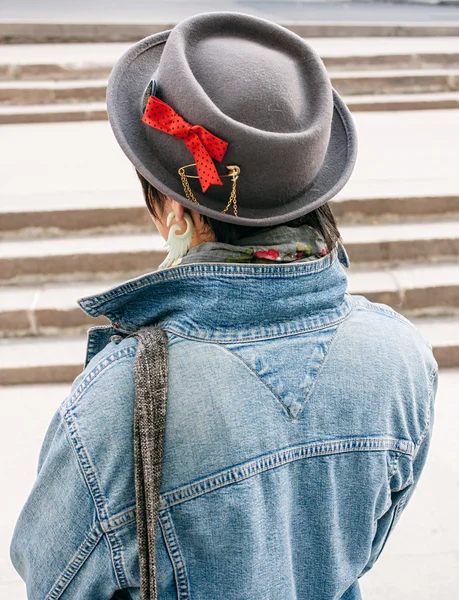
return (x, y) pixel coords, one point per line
(178, 209)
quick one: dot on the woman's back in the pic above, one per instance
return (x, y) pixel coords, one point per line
(298, 417)
(298, 421)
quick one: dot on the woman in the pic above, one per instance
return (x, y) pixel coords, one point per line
(298, 416)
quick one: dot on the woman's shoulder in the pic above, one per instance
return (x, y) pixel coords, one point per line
(387, 323)
(394, 352)
(98, 415)
(107, 377)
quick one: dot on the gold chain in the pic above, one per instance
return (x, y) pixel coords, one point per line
(186, 186)
(234, 174)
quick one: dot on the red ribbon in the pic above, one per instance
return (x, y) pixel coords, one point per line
(202, 144)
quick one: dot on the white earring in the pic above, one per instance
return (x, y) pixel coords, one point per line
(178, 244)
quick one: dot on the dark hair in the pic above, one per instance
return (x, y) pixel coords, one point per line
(321, 219)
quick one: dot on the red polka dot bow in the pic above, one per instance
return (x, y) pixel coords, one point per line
(201, 143)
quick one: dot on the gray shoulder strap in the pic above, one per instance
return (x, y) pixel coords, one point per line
(150, 372)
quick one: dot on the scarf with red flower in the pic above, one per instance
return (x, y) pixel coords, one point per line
(280, 244)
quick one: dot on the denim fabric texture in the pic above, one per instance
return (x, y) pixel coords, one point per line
(298, 423)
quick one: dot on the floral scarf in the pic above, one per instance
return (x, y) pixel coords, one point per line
(275, 245)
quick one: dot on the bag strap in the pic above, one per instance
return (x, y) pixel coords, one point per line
(150, 372)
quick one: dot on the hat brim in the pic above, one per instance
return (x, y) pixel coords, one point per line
(127, 84)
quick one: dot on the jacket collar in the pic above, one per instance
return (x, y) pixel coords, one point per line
(227, 302)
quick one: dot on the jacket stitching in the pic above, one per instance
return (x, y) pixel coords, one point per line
(287, 411)
(433, 374)
(92, 344)
(75, 454)
(92, 305)
(319, 371)
(95, 372)
(341, 314)
(360, 305)
(75, 564)
(175, 553)
(393, 465)
(126, 517)
(280, 458)
(117, 551)
(240, 359)
(95, 489)
(87, 467)
(391, 461)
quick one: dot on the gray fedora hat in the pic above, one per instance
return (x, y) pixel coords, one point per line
(251, 83)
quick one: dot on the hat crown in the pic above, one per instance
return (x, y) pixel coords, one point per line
(260, 81)
(257, 86)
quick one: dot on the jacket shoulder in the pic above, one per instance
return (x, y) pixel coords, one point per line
(385, 368)
(99, 415)
(386, 318)
(113, 358)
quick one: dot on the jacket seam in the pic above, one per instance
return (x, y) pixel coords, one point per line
(120, 520)
(393, 465)
(97, 370)
(433, 374)
(92, 344)
(75, 563)
(92, 305)
(324, 361)
(389, 314)
(265, 385)
(117, 556)
(96, 492)
(286, 409)
(342, 312)
(175, 554)
(87, 467)
(270, 461)
(117, 521)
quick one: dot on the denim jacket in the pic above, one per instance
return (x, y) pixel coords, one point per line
(298, 422)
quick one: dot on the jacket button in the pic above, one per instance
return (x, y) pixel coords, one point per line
(116, 338)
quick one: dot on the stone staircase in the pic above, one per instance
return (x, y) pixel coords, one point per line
(72, 221)
(67, 82)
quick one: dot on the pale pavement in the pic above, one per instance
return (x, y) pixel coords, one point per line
(419, 562)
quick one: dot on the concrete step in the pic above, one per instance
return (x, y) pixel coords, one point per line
(46, 309)
(405, 102)
(95, 61)
(351, 83)
(386, 60)
(60, 360)
(112, 255)
(92, 214)
(78, 178)
(443, 334)
(25, 93)
(50, 113)
(348, 83)
(412, 290)
(62, 33)
(96, 111)
(66, 61)
(397, 243)
(69, 258)
(51, 309)
(42, 360)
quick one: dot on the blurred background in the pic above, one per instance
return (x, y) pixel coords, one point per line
(72, 219)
